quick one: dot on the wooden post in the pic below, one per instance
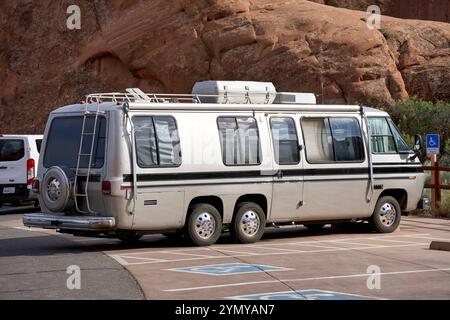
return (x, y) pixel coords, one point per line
(437, 181)
(436, 192)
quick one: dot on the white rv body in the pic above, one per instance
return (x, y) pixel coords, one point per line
(173, 164)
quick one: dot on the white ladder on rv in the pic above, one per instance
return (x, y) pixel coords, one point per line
(83, 194)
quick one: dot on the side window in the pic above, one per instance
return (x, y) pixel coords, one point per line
(157, 141)
(318, 140)
(239, 139)
(382, 139)
(347, 140)
(285, 140)
(38, 145)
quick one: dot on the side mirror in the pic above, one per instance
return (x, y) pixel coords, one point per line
(418, 144)
(418, 147)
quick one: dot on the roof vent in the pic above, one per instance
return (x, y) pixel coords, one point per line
(295, 98)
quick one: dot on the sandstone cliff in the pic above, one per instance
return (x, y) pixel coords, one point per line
(167, 45)
(437, 10)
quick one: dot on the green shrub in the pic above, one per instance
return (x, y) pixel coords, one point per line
(421, 117)
(386, 34)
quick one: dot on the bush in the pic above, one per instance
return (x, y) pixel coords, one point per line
(421, 117)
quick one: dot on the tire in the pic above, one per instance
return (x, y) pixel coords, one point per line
(204, 225)
(129, 236)
(248, 223)
(386, 216)
(57, 189)
(314, 226)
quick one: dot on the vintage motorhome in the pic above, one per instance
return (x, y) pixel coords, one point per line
(234, 156)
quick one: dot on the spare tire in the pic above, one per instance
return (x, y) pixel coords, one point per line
(57, 189)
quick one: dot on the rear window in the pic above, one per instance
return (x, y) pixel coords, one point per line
(11, 149)
(63, 142)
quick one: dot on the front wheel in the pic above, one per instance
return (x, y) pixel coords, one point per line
(386, 216)
(204, 225)
(249, 223)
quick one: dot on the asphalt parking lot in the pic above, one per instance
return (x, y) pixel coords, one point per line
(289, 263)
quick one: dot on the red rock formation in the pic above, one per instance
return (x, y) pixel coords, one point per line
(168, 45)
(437, 10)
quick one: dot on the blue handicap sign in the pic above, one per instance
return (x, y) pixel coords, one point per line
(433, 143)
(311, 294)
(226, 269)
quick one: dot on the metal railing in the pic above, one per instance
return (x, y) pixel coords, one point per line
(137, 95)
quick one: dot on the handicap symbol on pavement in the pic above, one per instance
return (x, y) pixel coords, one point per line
(229, 269)
(310, 294)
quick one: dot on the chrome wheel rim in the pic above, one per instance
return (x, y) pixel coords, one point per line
(205, 224)
(250, 223)
(388, 214)
(54, 189)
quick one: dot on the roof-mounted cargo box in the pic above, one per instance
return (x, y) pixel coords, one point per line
(238, 92)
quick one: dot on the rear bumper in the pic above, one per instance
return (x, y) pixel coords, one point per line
(22, 193)
(84, 223)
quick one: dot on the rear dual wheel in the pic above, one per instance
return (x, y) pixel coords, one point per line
(249, 223)
(204, 225)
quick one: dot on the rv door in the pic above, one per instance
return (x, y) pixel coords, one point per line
(287, 198)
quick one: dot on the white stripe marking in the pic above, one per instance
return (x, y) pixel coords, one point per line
(218, 247)
(358, 275)
(280, 253)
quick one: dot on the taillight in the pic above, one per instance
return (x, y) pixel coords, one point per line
(36, 186)
(106, 187)
(30, 171)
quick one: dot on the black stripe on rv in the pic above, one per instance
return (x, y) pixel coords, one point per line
(259, 173)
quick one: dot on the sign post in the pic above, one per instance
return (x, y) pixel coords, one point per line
(433, 145)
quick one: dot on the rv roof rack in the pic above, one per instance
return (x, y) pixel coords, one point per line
(137, 95)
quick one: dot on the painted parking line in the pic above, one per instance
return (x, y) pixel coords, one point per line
(227, 269)
(309, 294)
(358, 275)
(248, 254)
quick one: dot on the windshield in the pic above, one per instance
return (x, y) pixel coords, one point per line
(402, 146)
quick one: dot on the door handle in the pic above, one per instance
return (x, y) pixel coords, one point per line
(280, 174)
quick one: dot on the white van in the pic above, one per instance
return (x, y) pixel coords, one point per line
(19, 155)
(126, 164)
